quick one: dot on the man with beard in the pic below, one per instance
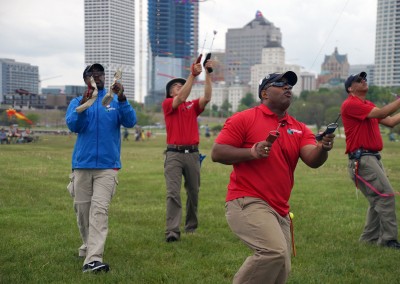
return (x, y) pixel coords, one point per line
(264, 144)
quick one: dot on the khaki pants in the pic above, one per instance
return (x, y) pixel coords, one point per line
(178, 165)
(267, 234)
(381, 224)
(93, 191)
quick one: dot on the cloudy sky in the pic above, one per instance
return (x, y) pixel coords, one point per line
(50, 33)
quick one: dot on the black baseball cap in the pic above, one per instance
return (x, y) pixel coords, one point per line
(89, 69)
(171, 82)
(86, 72)
(290, 76)
(352, 78)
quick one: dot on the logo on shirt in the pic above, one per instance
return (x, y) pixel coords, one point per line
(109, 108)
(292, 131)
(189, 106)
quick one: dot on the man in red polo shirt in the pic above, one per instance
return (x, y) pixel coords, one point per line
(361, 119)
(182, 155)
(263, 175)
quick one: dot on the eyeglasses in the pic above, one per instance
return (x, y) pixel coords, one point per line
(360, 79)
(280, 84)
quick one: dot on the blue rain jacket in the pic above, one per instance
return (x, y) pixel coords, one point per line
(98, 145)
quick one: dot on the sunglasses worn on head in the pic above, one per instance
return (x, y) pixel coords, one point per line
(280, 84)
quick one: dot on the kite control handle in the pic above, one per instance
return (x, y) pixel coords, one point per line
(208, 57)
(329, 129)
(194, 73)
(272, 136)
(198, 60)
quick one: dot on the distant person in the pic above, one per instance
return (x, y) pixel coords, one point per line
(392, 137)
(257, 208)
(138, 133)
(182, 154)
(95, 163)
(361, 119)
(3, 136)
(126, 134)
(207, 132)
(26, 136)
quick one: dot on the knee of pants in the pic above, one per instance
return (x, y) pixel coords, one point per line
(276, 258)
(82, 208)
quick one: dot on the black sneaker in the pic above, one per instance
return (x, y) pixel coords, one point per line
(393, 244)
(171, 239)
(96, 266)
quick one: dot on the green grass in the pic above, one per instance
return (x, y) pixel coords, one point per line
(39, 237)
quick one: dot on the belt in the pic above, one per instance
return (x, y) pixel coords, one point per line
(361, 152)
(182, 148)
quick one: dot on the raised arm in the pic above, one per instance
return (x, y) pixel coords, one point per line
(204, 100)
(184, 92)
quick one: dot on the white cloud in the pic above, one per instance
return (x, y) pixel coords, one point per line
(50, 34)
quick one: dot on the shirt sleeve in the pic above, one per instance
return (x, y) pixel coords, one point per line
(233, 131)
(308, 137)
(358, 110)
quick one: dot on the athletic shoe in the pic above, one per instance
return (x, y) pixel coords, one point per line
(172, 237)
(95, 266)
(393, 244)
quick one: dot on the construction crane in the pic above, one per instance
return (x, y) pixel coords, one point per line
(45, 79)
(48, 78)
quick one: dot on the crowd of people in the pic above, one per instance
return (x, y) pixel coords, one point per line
(264, 139)
(16, 136)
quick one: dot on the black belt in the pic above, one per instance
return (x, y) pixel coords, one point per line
(183, 148)
(361, 152)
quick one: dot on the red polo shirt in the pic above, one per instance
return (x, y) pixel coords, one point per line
(360, 131)
(272, 178)
(181, 123)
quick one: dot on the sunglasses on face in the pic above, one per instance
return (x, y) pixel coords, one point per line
(280, 84)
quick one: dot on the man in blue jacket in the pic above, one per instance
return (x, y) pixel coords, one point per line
(96, 161)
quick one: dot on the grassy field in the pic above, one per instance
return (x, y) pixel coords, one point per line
(39, 237)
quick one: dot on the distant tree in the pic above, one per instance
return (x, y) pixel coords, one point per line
(225, 108)
(248, 100)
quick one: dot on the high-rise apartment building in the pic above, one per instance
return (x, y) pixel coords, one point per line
(173, 43)
(110, 39)
(244, 47)
(387, 44)
(16, 76)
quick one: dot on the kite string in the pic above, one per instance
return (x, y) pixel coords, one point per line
(333, 28)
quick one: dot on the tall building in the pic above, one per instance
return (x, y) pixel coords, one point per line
(334, 70)
(173, 43)
(18, 76)
(244, 47)
(387, 44)
(110, 39)
(272, 60)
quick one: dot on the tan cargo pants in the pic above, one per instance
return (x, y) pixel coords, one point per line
(92, 191)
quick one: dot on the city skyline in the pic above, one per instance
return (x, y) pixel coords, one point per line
(310, 30)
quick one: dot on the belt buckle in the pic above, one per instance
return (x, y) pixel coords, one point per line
(186, 151)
